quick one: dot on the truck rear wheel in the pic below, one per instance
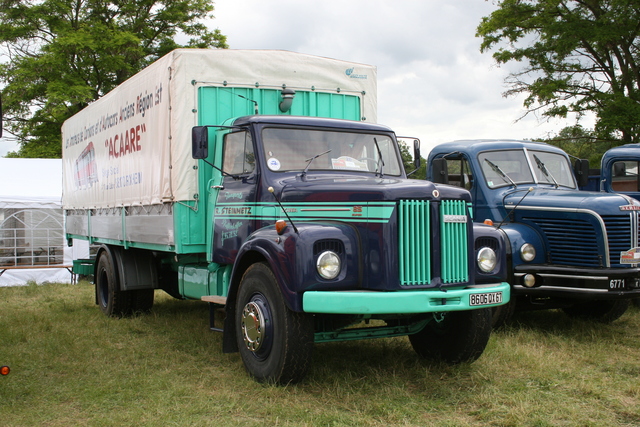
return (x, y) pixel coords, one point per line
(456, 337)
(602, 311)
(111, 300)
(275, 343)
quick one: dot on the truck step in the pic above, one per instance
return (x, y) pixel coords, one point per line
(215, 302)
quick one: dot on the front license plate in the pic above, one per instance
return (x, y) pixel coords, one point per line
(616, 284)
(485, 299)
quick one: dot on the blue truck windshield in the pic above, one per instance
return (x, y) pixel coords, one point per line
(295, 149)
(508, 167)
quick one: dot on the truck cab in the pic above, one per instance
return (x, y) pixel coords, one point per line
(568, 249)
(619, 171)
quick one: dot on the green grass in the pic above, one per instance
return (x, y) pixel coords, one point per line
(71, 365)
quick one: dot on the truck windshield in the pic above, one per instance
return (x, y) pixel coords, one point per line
(542, 167)
(300, 149)
(556, 166)
(510, 163)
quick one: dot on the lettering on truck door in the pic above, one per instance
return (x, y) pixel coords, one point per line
(234, 212)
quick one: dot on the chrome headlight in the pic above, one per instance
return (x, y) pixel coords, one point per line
(328, 265)
(487, 259)
(527, 252)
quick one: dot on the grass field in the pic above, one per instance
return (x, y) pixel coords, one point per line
(71, 365)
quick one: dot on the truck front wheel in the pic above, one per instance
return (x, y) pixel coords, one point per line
(454, 337)
(275, 343)
(602, 311)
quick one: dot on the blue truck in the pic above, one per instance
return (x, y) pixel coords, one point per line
(257, 181)
(618, 172)
(568, 249)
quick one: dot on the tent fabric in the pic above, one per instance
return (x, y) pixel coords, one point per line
(36, 184)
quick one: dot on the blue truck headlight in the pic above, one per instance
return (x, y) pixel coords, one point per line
(328, 265)
(527, 252)
(487, 259)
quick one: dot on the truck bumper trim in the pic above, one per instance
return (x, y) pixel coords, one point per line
(399, 302)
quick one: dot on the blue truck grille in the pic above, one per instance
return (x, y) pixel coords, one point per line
(415, 242)
(571, 241)
(575, 241)
(619, 236)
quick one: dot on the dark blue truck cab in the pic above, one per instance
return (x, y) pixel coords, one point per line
(569, 249)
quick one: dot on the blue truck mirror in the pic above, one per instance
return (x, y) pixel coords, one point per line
(440, 171)
(199, 142)
(581, 170)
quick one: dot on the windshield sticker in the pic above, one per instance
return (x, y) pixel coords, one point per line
(274, 164)
(346, 162)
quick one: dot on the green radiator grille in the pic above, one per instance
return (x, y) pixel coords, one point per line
(454, 241)
(414, 242)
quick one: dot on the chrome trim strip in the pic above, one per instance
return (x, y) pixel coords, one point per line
(563, 276)
(562, 288)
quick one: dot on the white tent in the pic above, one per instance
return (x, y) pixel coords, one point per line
(32, 243)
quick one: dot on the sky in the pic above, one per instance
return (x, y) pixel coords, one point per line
(433, 82)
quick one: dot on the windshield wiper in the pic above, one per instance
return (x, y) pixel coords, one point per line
(304, 172)
(500, 172)
(544, 170)
(380, 161)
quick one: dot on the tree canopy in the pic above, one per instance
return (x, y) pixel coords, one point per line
(59, 55)
(578, 56)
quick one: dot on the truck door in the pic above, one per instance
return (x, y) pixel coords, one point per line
(234, 211)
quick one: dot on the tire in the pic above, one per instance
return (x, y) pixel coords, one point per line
(502, 314)
(461, 336)
(636, 302)
(111, 300)
(601, 311)
(275, 343)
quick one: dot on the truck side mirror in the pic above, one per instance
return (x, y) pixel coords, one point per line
(581, 170)
(199, 142)
(440, 171)
(416, 153)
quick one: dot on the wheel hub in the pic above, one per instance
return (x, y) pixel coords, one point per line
(253, 326)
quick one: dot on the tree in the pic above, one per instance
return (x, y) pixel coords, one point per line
(581, 143)
(408, 163)
(580, 56)
(63, 54)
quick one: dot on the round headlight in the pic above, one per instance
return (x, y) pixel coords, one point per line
(487, 259)
(328, 265)
(527, 252)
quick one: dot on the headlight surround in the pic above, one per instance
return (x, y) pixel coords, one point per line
(486, 259)
(328, 265)
(527, 252)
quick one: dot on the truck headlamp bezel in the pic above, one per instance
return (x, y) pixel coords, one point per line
(328, 265)
(527, 252)
(487, 260)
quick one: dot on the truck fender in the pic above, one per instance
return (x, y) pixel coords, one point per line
(279, 252)
(519, 234)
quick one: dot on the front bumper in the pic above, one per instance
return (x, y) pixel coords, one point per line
(604, 283)
(401, 302)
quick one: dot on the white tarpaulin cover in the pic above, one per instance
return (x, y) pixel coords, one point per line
(132, 147)
(31, 223)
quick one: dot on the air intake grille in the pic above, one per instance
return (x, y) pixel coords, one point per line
(571, 241)
(454, 241)
(619, 236)
(414, 242)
